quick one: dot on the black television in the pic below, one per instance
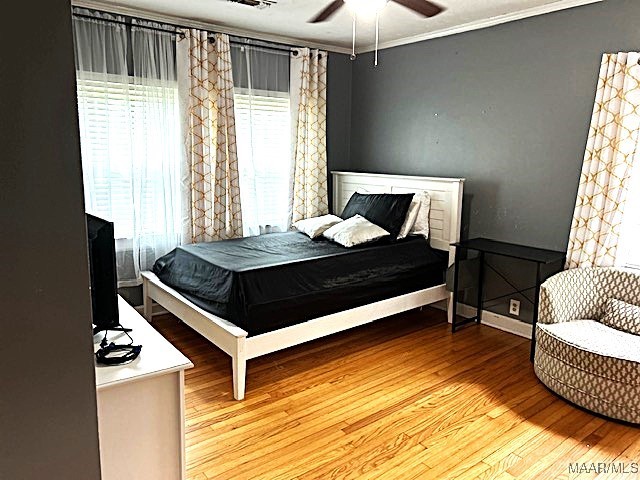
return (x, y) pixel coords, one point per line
(102, 267)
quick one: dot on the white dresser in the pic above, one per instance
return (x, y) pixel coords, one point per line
(141, 406)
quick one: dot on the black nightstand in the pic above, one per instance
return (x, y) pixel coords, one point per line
(521, 252)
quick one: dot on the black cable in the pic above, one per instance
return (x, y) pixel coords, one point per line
(132, 352)
(106, 349)
(127, 334)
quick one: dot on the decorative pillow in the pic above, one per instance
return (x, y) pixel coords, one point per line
(410, 219)
(387, 210)
(316, 226)
(355, 231)
(622, 316)
(421, 225)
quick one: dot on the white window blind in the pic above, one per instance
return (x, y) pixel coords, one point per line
(263, 131)
(117, 124)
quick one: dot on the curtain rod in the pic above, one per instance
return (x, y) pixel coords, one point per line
(174, 32)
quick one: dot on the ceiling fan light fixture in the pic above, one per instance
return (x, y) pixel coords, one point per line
(366, 8)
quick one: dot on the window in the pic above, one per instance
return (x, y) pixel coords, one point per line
(130, 135)
(119, 128)
(263, 131)
(130, 143)
(629, 254)
(263, 135)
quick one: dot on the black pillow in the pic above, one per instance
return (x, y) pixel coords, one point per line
(387, 210)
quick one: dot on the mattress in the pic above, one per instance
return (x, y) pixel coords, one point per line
(268, 282)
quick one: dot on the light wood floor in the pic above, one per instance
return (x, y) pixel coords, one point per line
(401, 398)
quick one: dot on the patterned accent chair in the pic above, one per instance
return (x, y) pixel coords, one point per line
(581, 358)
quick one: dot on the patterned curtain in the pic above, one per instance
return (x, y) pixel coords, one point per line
(210, 173)
(309, 81)
(611, 146)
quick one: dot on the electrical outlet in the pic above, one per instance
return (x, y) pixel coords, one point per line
(514, 307)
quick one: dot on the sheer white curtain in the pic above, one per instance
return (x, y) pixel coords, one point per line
(263, 130)
(129, 131)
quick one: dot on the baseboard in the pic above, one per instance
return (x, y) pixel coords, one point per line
(491, 319)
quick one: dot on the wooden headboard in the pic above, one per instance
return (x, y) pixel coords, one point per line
(446, 199)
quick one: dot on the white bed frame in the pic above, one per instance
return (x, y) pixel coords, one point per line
(444, 221)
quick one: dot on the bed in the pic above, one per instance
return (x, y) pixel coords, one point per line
(263, 294)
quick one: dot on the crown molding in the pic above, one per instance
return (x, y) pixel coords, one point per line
(466, 27)
(190, 23)
(483, 23)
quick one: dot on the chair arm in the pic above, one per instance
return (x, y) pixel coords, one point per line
(569, 295)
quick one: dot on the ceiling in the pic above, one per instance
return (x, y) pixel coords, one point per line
(286, 21)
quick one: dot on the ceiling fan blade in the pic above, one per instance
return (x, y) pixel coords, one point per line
(327, 12)
(422, 7)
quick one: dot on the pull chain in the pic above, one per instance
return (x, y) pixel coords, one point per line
(353, 48)
(377, 36)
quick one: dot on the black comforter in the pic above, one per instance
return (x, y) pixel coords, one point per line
(271, 281)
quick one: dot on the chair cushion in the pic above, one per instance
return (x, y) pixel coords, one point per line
(592, 337)
(621, 315)
(591, 365)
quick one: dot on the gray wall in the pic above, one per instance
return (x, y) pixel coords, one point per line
(338, 113)
(506, 107)
(48, 425)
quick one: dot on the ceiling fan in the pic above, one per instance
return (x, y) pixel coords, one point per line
(421, 7)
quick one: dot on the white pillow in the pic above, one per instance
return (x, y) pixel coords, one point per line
(410, 219)
(421, 225)
(355, 231)
(316, 226)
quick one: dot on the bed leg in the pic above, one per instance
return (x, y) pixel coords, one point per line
(450, 308)
(147, 303)
(239, 361)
